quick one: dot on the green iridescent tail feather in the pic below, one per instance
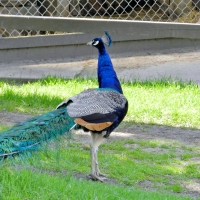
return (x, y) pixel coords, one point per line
(29, 135)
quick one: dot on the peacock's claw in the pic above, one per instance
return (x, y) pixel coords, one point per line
(96, 178)
(102, 175)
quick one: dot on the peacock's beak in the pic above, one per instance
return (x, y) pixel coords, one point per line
(89, 43)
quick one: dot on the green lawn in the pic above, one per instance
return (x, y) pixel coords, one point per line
(162, 102)
(34, 186)
(52, 173)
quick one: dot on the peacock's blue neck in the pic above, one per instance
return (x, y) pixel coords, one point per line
(107, 77)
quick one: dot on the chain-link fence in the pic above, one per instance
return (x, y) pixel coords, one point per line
(186, 11)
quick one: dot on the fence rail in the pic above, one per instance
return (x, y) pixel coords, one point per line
(182, 11)
(130, 29)
(128, 37)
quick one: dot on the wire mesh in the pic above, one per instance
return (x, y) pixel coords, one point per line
(185, 11)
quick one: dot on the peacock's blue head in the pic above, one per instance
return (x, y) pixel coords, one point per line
(99, 42)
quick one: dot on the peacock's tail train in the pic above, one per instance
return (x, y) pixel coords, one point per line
(32, 133)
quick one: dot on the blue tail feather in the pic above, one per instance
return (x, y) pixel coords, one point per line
(30, 134)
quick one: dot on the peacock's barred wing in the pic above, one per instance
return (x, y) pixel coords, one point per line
(96, 105)
(27, 135)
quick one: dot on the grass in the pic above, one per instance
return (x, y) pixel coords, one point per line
(42, 186)
(49, 174)
(3, 128)
(163, 102)
(134, 164)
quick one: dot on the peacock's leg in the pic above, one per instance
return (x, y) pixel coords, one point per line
(98, 173)
(97, 139)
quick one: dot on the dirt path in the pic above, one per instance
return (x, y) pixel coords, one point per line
(175, 63)
(139, 132)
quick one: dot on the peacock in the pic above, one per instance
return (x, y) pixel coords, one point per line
(97, 110)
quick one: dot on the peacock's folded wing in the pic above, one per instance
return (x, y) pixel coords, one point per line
(96, 105)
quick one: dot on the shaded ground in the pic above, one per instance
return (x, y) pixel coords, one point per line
(185, 137)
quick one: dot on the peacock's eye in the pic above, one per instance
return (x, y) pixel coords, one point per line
(95, 42)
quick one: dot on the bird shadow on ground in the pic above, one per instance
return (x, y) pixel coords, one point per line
(136, 131)
(148, 131)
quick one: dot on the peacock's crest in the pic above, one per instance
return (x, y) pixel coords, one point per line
(106, 38)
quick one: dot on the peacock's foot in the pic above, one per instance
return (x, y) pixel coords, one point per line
(102, 175)
(94, 177)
